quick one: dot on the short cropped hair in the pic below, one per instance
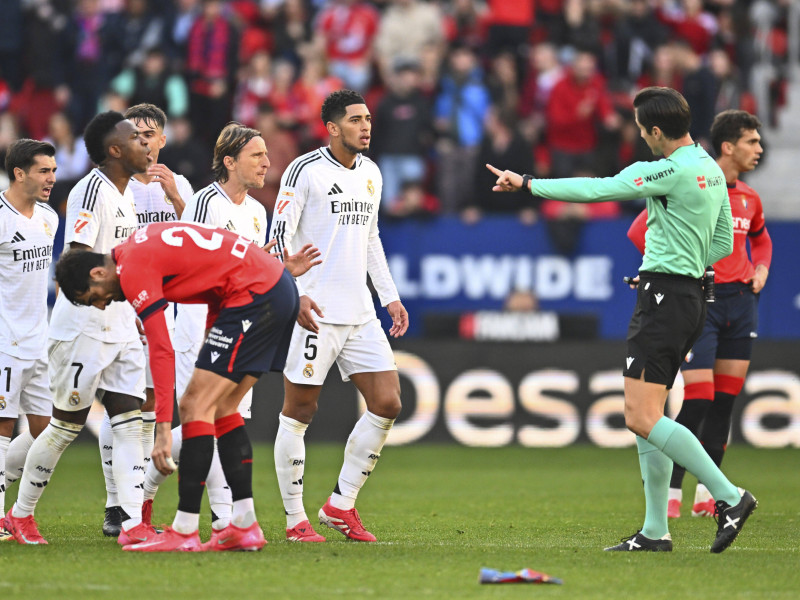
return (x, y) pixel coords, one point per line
(232, 139)
(730, 125)
(335, 105)
(150, 114)
(95, 136)
(72, 272)
(22, 154)
(664, 108)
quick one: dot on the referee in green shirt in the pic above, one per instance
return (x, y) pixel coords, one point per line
(689, 226)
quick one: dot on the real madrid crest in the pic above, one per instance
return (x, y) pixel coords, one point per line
(2, 402)
(74, 398)
(308, 372)
(47, 230)
(167, 200)
(256, 225)
(370, 187)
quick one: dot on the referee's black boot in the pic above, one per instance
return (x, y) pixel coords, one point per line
(112, 522)
(731, 519)
(638, 543)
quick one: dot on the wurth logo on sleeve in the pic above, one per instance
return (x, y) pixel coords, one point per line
(638, 181)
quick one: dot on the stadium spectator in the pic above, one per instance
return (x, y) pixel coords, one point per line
(503, 82)
(254, 88)
(185, 155)
(129, 34)
(153, 83)
(508, 26)
(662, 70)
(283, 150)
(210, 67)
(502, 144)
(464, 21)
(291, 30)
(731, 91)
(689, 22)
(406, 27)
(699, 88)
(309, 92)
(71, 157)
(403, 138)
(578, 105)
(636, 35)
(12, 40)
(414, 202)
(180, 17)
(346, 29)
(459, 111)
(544, 71)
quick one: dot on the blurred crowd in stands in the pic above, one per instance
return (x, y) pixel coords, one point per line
(537, 86)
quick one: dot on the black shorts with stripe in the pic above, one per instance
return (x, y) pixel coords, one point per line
(730, 328)
(252, 339)
(668, 318)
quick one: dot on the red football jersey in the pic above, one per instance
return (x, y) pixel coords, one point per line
(192, 264)
(748, 222)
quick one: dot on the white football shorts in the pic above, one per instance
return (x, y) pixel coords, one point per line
(354, 348)
(24, 385)
(79, 367)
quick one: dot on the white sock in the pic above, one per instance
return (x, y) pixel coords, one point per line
(128, 464)
(244, 513)
(220, 499)
(701, 494)
(360, 457)
(4, 442)
(148, 435)
(41, 461)
(15, 458)
(290, 459)
(186, 523)
(105, 439)
(675, 494)
(152, 476)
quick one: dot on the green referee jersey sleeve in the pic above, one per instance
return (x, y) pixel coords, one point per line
(689, 222)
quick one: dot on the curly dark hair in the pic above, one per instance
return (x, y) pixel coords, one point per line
(72, 272)
(730, 125)
(95, 136)
(335, 105)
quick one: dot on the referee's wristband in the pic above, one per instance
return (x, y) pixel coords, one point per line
(526, 182)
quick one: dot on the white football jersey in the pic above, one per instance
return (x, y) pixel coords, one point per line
(26, 251)
(153, 206)
(100, 217)
(322, 202)
(212, 206)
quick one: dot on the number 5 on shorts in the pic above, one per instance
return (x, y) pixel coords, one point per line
(311, 353)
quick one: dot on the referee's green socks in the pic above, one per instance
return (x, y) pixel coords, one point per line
(656, 471)
(680, 444)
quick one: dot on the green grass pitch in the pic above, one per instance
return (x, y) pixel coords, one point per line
(440, 513)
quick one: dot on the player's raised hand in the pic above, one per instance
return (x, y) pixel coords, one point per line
(166, 178)
(299, 263)
(305, 317)
(507, 181)
(399, 316)
(162, 449)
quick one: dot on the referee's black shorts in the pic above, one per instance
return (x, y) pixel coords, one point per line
(668, 318)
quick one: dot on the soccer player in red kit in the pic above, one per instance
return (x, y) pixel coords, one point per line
(714, 371)
(252, 305)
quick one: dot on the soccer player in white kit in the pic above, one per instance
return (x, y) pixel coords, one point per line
(91, 351)
(332, 196)
(240, 164)
(159, 195)
(27, 228)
